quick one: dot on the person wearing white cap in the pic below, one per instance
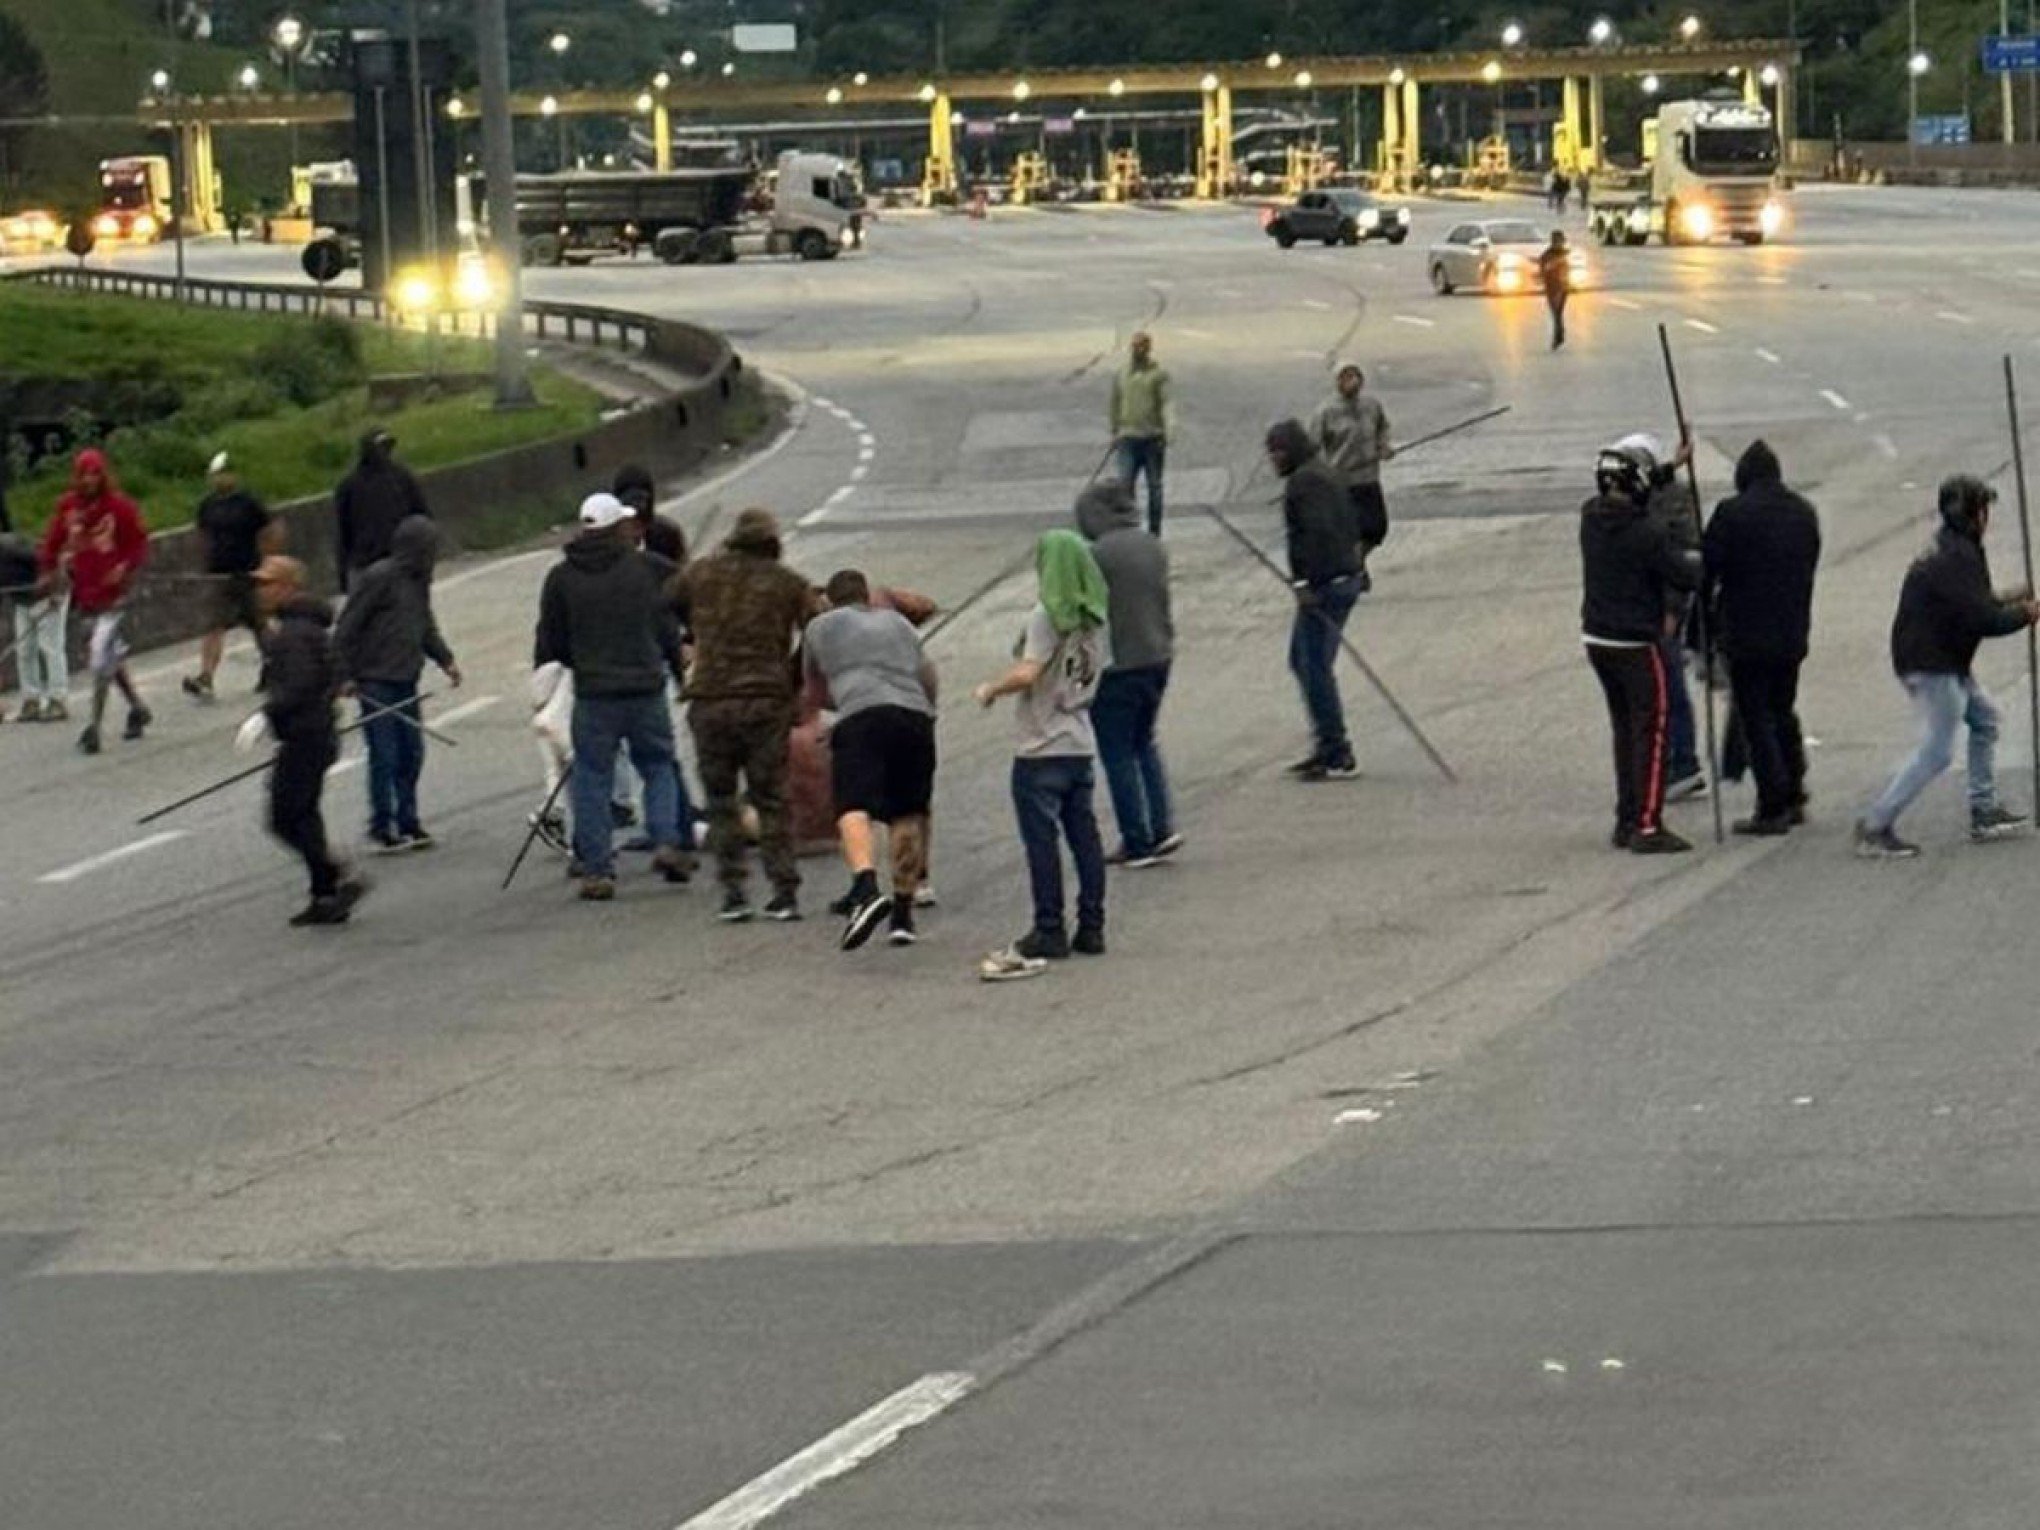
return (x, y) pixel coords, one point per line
(603, 617)
(238, 532)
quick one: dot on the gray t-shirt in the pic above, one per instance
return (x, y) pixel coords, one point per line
(1054, 714)
(867, 659)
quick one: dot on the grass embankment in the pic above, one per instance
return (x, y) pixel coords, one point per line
(286, 397)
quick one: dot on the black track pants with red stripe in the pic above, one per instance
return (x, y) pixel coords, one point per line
(1637, 688)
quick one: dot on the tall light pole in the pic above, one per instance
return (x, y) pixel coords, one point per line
(499, 166)
(1916, 64)
(289, 35)
(2008, 128)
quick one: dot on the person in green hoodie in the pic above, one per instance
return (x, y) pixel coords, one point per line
(1062, 655)
(1141, 413)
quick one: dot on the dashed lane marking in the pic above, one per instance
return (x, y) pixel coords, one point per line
(1319, 305)
(1953, 317)
(1420, 323)
(112, 857)
(1625, 304)
(1886, 445)
(1772, 281)
(1703, 326)
(1834, 398)
(465, 710)
(1770, 356)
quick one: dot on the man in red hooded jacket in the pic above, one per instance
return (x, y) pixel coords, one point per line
(95, 546)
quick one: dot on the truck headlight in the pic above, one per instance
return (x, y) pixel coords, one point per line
(1370, 216)
(1696, 220)
(106, 226)
(415, 291)
(1639, 220)
(474, 284)
(1402, 215)
(144, 226)
(1772, 218)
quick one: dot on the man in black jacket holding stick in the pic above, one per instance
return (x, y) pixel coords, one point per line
(1323, 531)
(1946, 608)
(1761, 549)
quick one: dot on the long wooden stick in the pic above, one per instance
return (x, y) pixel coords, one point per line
(977, 595)
(1700, 605)
(537, 822)
(2026, 551)
(1453, 430)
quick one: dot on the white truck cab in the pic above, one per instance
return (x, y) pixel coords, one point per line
(817, 206)
(1714, 172)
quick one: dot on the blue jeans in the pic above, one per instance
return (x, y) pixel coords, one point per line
(1682, 738)
(1124, 713)
(1941, 704)
(1051, 793)
(1144, 454)
(396, 755)
(1313, 650)
(601, 725)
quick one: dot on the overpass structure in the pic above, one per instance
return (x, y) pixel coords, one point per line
(1580, 72)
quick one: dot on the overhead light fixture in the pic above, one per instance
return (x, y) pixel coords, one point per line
(860, 78)
(1209, 83)
(834, 96)
(1116, 88)
(1303, 79)
(926, 92)
(1022, 90)
(1397, 75)
(1274, 61)
(1491, 71)
(1512, 35)
(644, 102)
(661, 80)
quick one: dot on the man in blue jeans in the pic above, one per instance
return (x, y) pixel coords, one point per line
(604, 615)
(1946, 609)
(1324, 568)
(385, 634)
(1129, 700)
(1139, 417)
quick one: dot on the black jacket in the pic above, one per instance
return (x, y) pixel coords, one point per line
(1630, 572)
(298, 672)
(1946, 608)
(1762, 547)
(387, 630)
(371, 502)
(1317, 513)
(604, 615)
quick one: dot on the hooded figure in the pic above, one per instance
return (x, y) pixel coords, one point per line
(662, 538)
(95, 546)
(371, 501)
(1323, 530)
(1129, 700)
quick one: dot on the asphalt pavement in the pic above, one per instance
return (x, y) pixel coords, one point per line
(1411, 1159)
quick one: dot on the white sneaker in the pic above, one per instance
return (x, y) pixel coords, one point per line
(924, 895)
(1685, 786)
(1008, 965)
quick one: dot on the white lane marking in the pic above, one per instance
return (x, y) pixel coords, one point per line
(1860, 297)
(1184, 331)
(859, 472)
(1322, 307)
(842, 1450)
(1953, 317)
(1622, 302)
(1770, 356)
(1703, 326)
(1834, 398)
(1886, 445)
(823, 403)
(866, 453)
(1772, 281)
(2030, 273)
(1420, 323)
(342, 766)
(465, 709)
(112, 857)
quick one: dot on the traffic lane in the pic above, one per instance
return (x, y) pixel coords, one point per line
(622, 1394)
(1834, 1377)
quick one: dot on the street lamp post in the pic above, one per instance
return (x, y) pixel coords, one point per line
(289, 36)
(499, 167)
(1916, 64)
(159, 82)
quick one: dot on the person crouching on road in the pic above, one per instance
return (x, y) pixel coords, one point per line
(603, 616)
(1129, 701)
(237, 530)
(1063, 653)
(1351, 429)
(95, 546)
(385, 634)
(882, 750)
(1325, 576)
(1632, 574)
(1761, 549)
(301, 685)
(1946, 608)
(744, 609)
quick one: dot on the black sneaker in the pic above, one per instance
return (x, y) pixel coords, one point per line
(198, 687)
(901, 932)
(840, 909)
(736, 909)
(1658, 842)
(784, 907)
(1168, 845)
(1796, 814)
(1994, 822)
(418, 839)
(1042, 945)
(383, 842)
(1342, 767)
(1882, 845)
(353, 888)
(138, 720)
(1691, 784)
(319, 911)
(1623, 834)
(622, 815)
(674, 864)
(1132, 860)
(88, 741)
(1089, 941)
(1308, 768)
(1760, 827)
(870, 911)
(551, 827)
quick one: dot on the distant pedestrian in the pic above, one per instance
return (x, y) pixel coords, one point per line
(95, 546)
(1561, 191)
(1946, 609)
(1063, 653)
(1325, 576)
(1129, 700)
(1141, 414)
(1554, 271)
(302, 684)
(371, 502)
(603, 616)
(1631, 573)
(1351, 429)
(744, 609)
(237, 530)
(1761, 550)
(39, 620)
(387, 630)
(882, 689)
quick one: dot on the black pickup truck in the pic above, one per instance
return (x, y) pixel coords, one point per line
(1341, 215)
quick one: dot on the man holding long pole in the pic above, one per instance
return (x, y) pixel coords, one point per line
(1324, 570)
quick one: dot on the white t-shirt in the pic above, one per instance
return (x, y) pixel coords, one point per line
(1054, 715)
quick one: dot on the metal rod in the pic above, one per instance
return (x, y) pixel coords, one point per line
(976, 595)
(1352, 652)
(531, 834)
(1699, 606)
(1453, 430)
(2026, 552)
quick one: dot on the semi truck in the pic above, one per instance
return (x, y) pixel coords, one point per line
(134, 199)
(1712, 167)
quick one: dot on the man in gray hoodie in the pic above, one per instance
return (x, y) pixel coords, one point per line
(1136, 569)
(1350, 429)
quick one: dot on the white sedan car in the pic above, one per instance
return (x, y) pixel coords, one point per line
(1496, 255)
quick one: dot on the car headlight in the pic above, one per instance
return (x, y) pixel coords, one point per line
(106, 226)
(1402, 215)
(1370, 216)
(144, 226)
(415, 291)
(1639, 220)
(1772, 218)
(1696, 219)
(845, 236)
(474, 284)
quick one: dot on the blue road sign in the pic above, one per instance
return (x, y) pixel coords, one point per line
(1952, 128)
(2011, 55)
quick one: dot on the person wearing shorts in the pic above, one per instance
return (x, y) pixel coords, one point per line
(882, 750)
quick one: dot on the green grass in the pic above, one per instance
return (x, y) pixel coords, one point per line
(283, 451)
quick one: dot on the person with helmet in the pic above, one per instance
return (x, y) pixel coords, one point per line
(1633, 576)
(1946, 608)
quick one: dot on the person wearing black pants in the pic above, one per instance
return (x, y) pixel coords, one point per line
(1554, 271)
(1632, 577)
(1761, 549)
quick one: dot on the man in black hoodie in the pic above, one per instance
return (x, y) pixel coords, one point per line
(603, 615)
(1761, 549)
(1946, 609)
(385, 634)
(301, 682)
(1631, 574)
(1323, 530)
(371, 502)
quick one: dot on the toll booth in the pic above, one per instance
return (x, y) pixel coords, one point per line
(1122, 175)
(1030, 178)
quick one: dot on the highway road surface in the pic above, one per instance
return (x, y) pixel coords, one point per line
(1411, 1160)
